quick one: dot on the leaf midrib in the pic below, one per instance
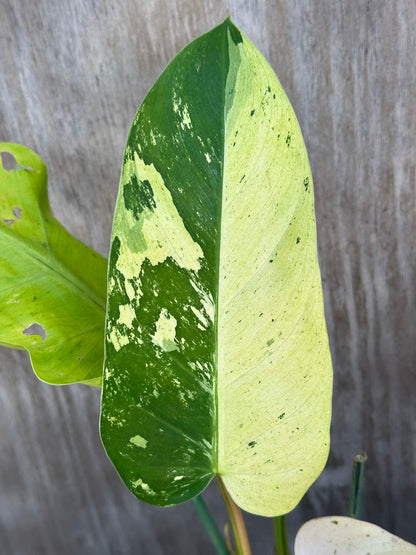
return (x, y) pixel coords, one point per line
(226, 67)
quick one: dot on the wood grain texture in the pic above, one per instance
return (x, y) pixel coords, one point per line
(72, 75)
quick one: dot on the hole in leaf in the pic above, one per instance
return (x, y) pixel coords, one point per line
(17, 211)
(8, 222)
(35, 329)
(8, 161)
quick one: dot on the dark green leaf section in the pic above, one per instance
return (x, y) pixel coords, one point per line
(137, 196)
(52, 286)
(158, 406)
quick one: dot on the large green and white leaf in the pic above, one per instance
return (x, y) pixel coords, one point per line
(217, 357)
(343, 535)
(52, 287)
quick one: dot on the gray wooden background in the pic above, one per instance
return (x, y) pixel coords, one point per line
(72, 75)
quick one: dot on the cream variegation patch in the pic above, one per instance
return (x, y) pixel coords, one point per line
(160, 233)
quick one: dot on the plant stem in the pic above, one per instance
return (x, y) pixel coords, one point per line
(210, 525)
(237, 521)
(357, 484)
(280, 536)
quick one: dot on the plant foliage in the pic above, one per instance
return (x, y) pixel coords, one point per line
(52, 286)
(217, 358)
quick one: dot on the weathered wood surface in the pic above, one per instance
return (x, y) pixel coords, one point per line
(72, 75)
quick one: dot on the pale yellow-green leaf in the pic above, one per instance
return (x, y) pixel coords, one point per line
(274, 368)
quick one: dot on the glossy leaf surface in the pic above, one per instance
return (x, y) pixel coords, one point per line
(52, 286)
(217, 357)
(341, 534)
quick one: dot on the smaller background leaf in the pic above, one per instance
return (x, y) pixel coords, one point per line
(52, 286)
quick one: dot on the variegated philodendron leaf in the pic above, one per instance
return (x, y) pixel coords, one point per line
(52, 287)
(217, 356)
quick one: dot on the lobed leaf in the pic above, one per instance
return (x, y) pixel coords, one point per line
(52, 286)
